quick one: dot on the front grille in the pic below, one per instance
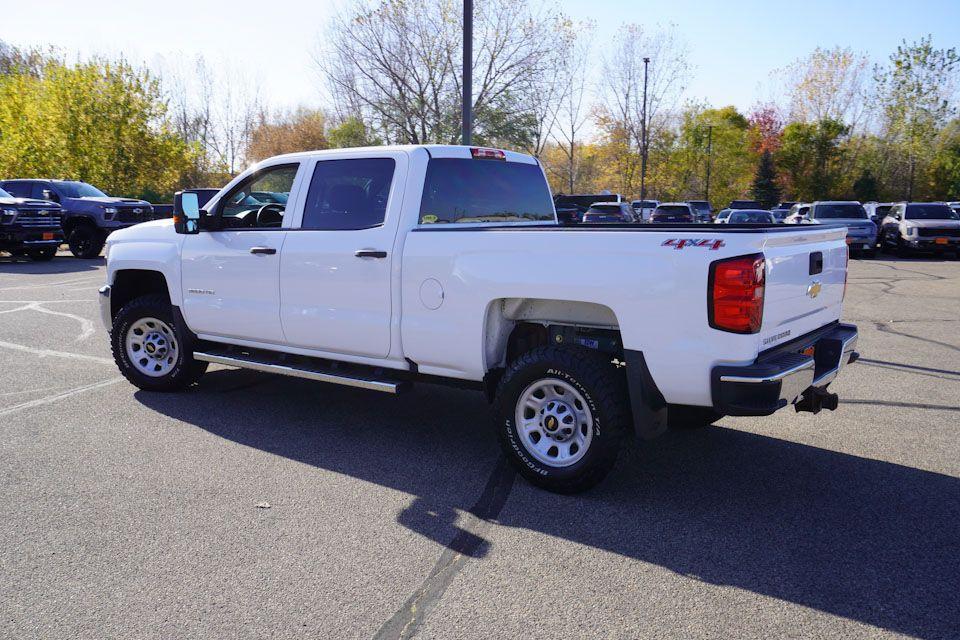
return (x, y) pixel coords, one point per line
(37, 219)
(929, 232)
(132, 214)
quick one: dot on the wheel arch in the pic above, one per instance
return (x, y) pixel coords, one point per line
(129, 284)
(70, 222)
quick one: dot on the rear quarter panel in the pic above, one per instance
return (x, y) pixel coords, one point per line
(658, 294)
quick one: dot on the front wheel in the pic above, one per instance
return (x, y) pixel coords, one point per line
(85, 241)
(561, 415)
(149, 348)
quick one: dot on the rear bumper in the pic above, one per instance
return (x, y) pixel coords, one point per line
(774, 382)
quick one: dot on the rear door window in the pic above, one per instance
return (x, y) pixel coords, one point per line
(460, 190)
(348, 194)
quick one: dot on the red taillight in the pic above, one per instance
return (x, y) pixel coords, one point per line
(481, 153)
(735, 293)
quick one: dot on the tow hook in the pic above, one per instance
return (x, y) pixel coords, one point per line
(814, 399)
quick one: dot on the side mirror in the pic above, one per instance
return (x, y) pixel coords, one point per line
(186, 213)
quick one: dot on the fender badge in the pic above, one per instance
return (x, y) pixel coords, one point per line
(813, 289)
(680, 243)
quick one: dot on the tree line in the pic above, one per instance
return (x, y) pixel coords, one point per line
(837, 126)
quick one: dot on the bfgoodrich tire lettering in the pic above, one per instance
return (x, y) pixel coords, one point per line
(183, 372)
(602, 389)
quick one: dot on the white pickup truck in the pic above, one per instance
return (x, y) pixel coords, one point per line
(382, 267)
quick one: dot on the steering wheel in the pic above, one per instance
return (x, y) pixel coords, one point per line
(270, 215)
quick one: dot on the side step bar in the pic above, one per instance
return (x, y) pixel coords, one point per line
(298, 367)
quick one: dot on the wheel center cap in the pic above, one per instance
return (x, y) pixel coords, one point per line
(558, 420)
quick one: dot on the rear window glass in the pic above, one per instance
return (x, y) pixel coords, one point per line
(751, 217)
(837, 211)
(467, 190)
(673, 210)
(930, 212)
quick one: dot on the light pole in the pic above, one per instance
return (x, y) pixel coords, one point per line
(643, 135)
(467, 117)
(709, 159)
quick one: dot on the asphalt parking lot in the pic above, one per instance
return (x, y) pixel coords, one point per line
(257, 506)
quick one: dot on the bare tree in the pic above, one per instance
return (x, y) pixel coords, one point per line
(828, 84)
(622, 88)
(573, 113)
(395, 65)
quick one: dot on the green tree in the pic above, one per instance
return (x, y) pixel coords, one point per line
(914, 92)
(352, 132)
(866, 188)
(100, 121)
(765, 188)
(810, 157)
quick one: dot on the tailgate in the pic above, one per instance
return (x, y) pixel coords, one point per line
(805, 280)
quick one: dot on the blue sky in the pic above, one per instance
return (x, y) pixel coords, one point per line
(734, 44)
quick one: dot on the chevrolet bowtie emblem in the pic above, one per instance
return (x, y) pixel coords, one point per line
(813, 289)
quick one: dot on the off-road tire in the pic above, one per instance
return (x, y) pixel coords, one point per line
(186, 370)
(603, 387)
(86, 241)
(685, 417)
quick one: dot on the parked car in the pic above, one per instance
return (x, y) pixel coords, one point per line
(955, 205)
(568, 215)
(583, 201)
(786, 204)
(89, 215)
(861, 231)
(460, 274)
(750, 216)
(920, 226)
(644, 209)
(609, 212)
(722, 216)
(798, 213)
(745, 204)
(702, 210)
(673, 212)
(780, 212)
(29, 227)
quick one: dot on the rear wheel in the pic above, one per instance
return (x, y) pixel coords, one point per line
(85, 241)
(561, 415)
(149, 348)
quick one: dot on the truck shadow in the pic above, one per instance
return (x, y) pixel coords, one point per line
(60, 264)
(863, 539)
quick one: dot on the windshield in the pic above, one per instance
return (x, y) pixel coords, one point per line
(839, 211)
(4, 194)
(930, 212)
(79, 190)
(700, 206)
(883, 211)
(751, 217)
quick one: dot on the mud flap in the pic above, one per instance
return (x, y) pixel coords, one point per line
(648, 407)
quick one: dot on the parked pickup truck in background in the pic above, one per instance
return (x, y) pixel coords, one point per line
(29, 227)
(395, 265)
(89, 215)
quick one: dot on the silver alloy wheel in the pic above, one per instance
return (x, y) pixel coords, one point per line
(554, 422)
(151, 347)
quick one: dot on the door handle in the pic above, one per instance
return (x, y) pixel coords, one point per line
(269, 251)
(370, 253)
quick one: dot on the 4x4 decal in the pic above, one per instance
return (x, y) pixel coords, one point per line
(678, 243)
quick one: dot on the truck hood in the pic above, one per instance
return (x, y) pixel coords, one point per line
(152, 230)
(108, 200)
(932, 224)
(30, 203)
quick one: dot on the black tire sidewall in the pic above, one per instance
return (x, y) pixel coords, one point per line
(149, 307)
(604, 442)
(89, 233)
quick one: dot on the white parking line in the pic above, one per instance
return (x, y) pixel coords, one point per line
(59, 396)
(49, 353)
(86, 326)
